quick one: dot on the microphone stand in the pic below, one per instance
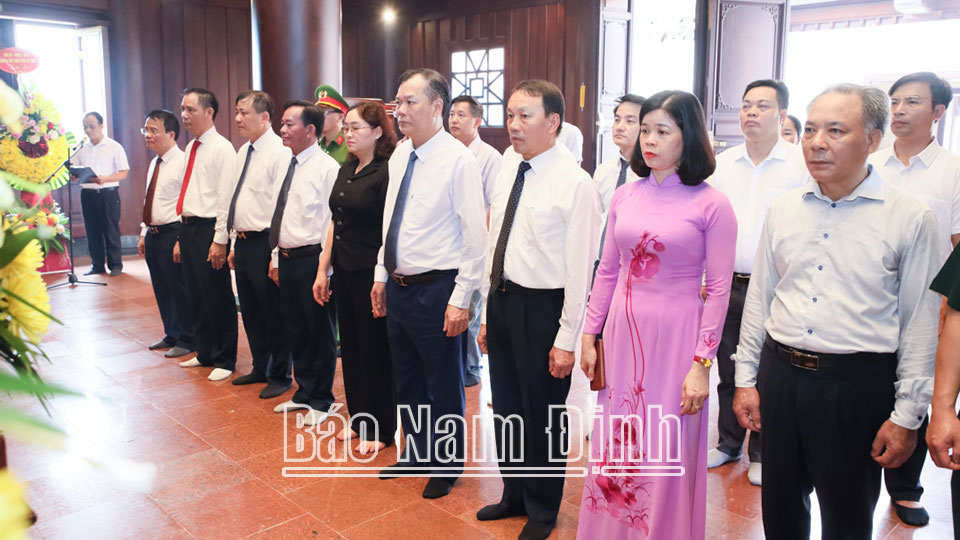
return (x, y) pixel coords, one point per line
(72, 279)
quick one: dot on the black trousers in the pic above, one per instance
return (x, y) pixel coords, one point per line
(903, 483)
(818, 428)
(428, 371)
(101, 220)
(731, 432)
(210, 295)
(521, 329)
(169, 288)
(365, 357)
(260, 307)
(310, 333)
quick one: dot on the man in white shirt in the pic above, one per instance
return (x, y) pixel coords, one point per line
(99, 198)
(917, 163)
(434, 234)
(208, 174)
(616, 172)
(751, 175)
(159, 232)
(839, 328)
(252, 201)
(298, 229)
(535, 286)
(571, 138)
(466, 114)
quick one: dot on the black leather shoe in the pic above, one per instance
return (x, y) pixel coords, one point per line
(393, 471)
(116, 271)
(438, 487)
(249, 378)
(470, 380)
(536, 530)
(162, 344)
(915, 517)
(493, 512)
(94, 271)
(272, 390)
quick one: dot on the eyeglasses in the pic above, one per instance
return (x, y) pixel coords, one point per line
(145, 131)
(348, 129)
(910, 102)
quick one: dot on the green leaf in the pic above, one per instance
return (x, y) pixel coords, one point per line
(18, 297)
(24, 185)
(17, 425)
(32, 385)
(13, 244)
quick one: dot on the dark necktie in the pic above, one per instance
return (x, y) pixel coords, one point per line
(496, 273)
(393, 232)
(151, 193)
(187, 174)
(281, 205)
(236, 192)
(621, 180)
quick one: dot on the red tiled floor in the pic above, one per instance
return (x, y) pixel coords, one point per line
(220, 452)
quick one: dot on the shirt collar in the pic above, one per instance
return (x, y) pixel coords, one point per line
(870, 188)
(169, 154)
(778, 152)
(476, 141)
(540, 162)
(264, 139)
(208, 134)
(306, 154)
(672, 180)
(102, 142)
(929, 154)
(427, 148)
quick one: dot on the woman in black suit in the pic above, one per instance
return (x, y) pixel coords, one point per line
(355, 236)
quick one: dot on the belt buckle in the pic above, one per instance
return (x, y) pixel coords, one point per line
(242, 234)
(503, 286)
(810, 362)
(400, 280)
(154, 229)
(285, 253)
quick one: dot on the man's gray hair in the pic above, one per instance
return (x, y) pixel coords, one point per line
(874, 104)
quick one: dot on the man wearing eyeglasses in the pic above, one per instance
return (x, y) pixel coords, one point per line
(917, 163)
(334, 108)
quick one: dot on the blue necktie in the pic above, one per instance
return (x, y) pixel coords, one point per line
(393, 233)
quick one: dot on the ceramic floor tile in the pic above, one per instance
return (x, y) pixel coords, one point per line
(195, 392)
(218, 514)
(419, 516)
(341, 503)
(194, 476)
(134, 517)
(305, 527)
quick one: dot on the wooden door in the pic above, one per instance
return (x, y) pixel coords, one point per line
(746, 42)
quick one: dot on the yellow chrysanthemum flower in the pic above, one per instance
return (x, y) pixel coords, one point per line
(14, 512)
(21, 278)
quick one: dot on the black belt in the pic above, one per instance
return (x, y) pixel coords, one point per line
(193, 220)
(510, 287)
(157, 229)
(250, 235)
(302, 251)
(418, 279)
(814, 361)
(101, 190)
(742, 279)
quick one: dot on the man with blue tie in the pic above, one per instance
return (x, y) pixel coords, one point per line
(428, 268)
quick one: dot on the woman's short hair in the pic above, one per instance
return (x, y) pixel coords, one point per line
(697, 161)
(374, 114)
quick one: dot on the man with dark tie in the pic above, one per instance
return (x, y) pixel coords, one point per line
(298, 229)
(159, 231)
(430, 264)
(535, 288)
(254, 196)
(204, 199)
(466, 114)
(839, 328)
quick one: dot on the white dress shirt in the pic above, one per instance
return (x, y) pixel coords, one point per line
(307, 213)
(933, 176)
(848, 276)
(555, 225)
(605, 178)
(208, 193)
(753, 188)
(489, 160)
(444, 223)
(105, 158)
(571, 138)
(258, 195)
(168, 188)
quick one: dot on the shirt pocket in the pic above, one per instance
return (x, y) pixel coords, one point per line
(544, 226)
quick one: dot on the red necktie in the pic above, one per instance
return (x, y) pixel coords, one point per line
(151, 193)
(186, 176)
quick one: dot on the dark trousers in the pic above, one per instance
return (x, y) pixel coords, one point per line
(310, 333)
(731, 432)
(101, 221)
(260, 307)
(521, 329)
(818, 428)
(365, 357)
(903, 483)
(428, 371)
(169, 288)
(211, 299)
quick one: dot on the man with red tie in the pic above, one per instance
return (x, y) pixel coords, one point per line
(202, 206)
